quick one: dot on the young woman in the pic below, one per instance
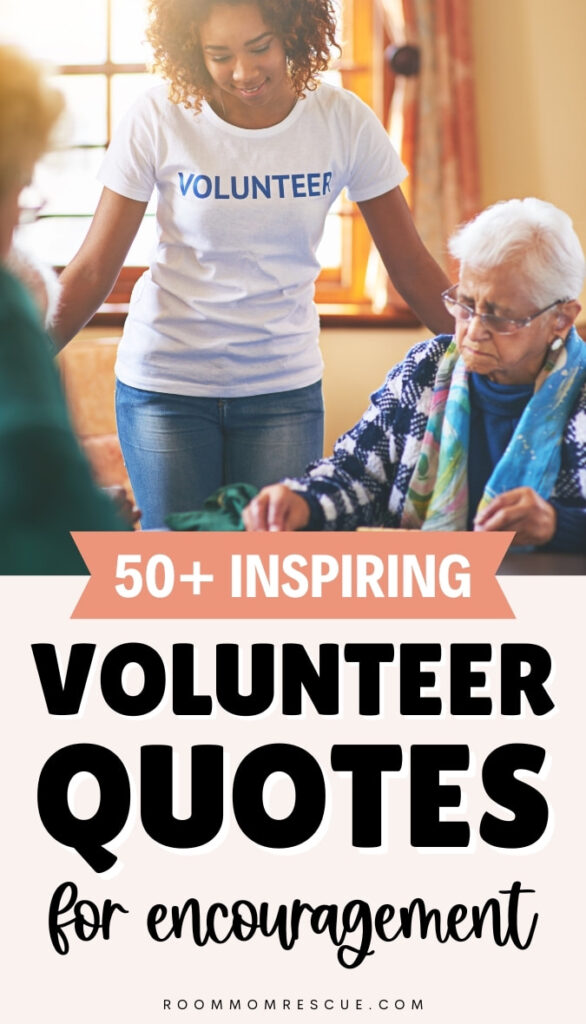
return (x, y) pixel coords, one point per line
(219, 367)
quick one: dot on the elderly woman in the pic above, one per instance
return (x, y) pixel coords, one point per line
(46, 488)
(485, 430)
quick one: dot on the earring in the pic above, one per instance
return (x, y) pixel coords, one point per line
(550, 359)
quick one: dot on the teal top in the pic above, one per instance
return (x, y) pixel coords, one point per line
(46, 487)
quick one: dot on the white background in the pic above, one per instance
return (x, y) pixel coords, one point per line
(128, 977)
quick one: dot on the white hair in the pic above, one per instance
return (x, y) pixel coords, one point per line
(535, 235)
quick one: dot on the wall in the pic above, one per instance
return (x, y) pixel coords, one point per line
(530, 93)
(530, 64)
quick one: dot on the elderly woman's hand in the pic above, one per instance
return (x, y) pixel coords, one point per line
(276, 508)
(532, 518)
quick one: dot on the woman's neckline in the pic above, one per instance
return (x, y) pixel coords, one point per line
(237, 129)
(218, 106)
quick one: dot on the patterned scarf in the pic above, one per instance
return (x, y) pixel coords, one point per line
(437, 498)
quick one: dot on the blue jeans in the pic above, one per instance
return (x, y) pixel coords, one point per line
(179, 449)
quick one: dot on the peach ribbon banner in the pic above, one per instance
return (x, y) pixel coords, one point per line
(374, 574)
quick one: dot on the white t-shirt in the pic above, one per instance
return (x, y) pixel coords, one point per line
(226, 307)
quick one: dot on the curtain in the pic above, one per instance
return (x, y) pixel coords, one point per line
(432, 120)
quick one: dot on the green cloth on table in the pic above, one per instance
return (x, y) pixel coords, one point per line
(221, 511)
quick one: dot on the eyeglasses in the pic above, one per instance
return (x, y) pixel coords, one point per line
(497, 324)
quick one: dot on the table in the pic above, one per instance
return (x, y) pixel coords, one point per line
(542, 563)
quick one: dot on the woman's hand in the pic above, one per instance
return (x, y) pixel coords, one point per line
(276, 508)
(124, 506)
(532, 518)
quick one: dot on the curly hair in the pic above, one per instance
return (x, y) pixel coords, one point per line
(29, 110)
(307, 29)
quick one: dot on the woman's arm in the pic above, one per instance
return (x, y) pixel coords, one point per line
(413, 271)
(91, 275)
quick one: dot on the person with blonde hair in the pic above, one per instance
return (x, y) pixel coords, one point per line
(46, 488)
(219, 368)
(483, 430)
(28, 113)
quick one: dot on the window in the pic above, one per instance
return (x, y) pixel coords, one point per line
(100, 61)
(101, 68)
